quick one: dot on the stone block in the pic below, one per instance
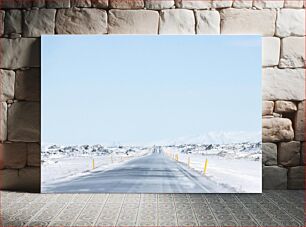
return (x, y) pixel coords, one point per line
(191, 4)
(267, 108)
(56, 4)
(3, 121)
(81, 21)
(240, 4)
(277, 129)
(299, 122)
(103, 4)
(13, 21)
(13, 155)
(159, 4)
(303, 157)
(296, 177)
(27, 85)
(38, 22)
(7, 81)
(177, 21)
(290, 22)
(38, 3)
(221, 3)
(263, 4)
(126, 4)
(293, 52)
(285, 107)
(289, 154)
(20, 53)
(25, 180)
(208, 22)
(2, 15)
(133, 22)
(274, 177)
(80, 3)
(33, 154)
(248, 21)
(270, 51)
(293, 4)
(283, 84)
(24, 122)
(15, 4)
(269, 154)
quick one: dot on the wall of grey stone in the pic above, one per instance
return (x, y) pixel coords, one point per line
(280, 22)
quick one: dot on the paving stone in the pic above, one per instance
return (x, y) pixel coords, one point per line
(248, 21)
(296, 177)
(126, 4)
(277, 129)
(38, 22)
(81, 21)
(269, 154)
(191, 4)
(103, 4)
(20, 53)
(13, 155)
(285, 106)
(299, 122)
(133, 22)
(24, 122)
(270, 51)
(293, 52)
(55, 4)
(283, 84)
(33, 158)
(242, 4)
(262, 4)
(27, 85)
(178, 21)
(7, 81)
(13, 21)
(80, 3)
(289, 153)
(274, 177)
(267, 107)
(207, 22)
(159, 4)
(290, 22)
(293, 4)
(3, 121)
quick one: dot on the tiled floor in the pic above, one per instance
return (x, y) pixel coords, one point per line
(272, 208)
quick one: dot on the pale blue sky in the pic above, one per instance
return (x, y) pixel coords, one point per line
(139, 89)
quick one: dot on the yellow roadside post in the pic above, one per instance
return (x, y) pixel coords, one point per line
(205, 166)
(93, 164)
(188, 161)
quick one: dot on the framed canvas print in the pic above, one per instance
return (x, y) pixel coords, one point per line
(151, 114)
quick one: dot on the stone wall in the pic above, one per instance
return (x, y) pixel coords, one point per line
(281, 22)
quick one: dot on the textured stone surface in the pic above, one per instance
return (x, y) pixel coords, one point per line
(81, 21)
(283, 84)
(270, 51)
(290, 22)
(20, 53)
(39, 22)
(267, 107)
(178, 21)
(80, 3)
(24, 122)
(274, 177)
(289, 153)
(33, 154)
(208, 22)
(303, 158)
(39, 3)
(27, 86)
(261, 4)
(159, 4)
(299, 122)
(191, 4)
(2, 15)
(248, 21)
(221, 3)
(293, 52)
(277, 129)
(103, 4)
(269, 154)
(13, 21)
(242, 4)
(3, 121)
(126, 4)
(133, 22)
(293, 4)
(15, 4)
(285, 106)
(13, 155)
(56, 4)
(7, 81)
(296, 177)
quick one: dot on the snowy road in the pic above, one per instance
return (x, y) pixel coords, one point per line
(154, 173)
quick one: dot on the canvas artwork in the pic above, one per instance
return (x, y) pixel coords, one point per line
(151, 114)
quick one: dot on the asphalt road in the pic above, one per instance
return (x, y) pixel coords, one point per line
(154, 173)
